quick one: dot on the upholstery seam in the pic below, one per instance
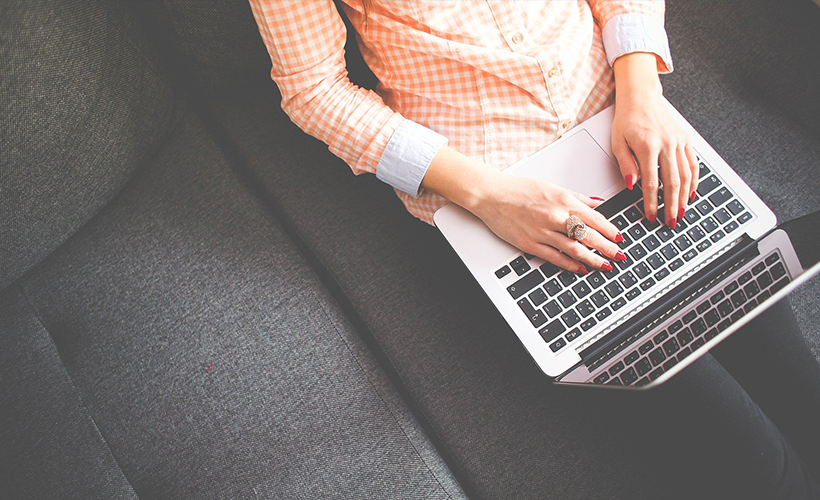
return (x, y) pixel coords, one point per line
(79, 394)
(378, 393)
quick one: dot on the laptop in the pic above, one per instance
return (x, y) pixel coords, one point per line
(680, 292)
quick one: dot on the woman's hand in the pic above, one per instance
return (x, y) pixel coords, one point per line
(645, 130)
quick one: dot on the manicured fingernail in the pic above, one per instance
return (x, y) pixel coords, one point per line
(620, 256)
(692, 196)
(671, 222)
(582, 270)
(606, 266)
(681, 213)
(651, 217)
(619, 238)
(596, 198)
(630, 181)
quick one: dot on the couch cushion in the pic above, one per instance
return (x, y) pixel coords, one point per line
(210, 357)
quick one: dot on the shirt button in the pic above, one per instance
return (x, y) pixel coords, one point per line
(565, 125)
(553, 72)
(517, 38)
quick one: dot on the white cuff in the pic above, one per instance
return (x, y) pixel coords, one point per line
(628, 33)
(407, 156)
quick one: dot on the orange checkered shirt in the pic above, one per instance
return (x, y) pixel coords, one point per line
(498, 80)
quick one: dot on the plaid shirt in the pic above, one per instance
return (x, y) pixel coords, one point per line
(498, 80)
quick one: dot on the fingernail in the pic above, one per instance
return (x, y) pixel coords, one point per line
(620, 256)
(671, 222)
(692, 196)
(619, 238)
(681, 213)
(596, 198)
(583, 270)
(630, 181)
(651, 217)
(606, 266)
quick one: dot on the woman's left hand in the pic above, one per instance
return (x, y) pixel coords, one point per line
(645, 130)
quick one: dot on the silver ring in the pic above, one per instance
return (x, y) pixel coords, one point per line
(576, 229)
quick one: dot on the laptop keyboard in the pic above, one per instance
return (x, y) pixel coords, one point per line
(564, 305)
(714, 313)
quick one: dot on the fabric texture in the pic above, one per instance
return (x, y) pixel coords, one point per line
(81, 109)
(499, 80)
(209, 355)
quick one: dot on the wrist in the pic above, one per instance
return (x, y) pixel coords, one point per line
(636, 77)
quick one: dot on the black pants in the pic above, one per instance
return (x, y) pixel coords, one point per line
(745, 419)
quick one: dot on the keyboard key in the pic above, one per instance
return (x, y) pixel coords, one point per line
(764, 280)
(655, 260)
(629, 376)
(582, 289)
(603, 314)
(614, 289)
(646, 285)
(709, 224)
(600, 379)
(689, 317)
(682, 242)
(596, 279)
(731, 287)
(696, 233)
(633, 214)
(657, 373)
(549, 269)
(703, 245)
(675, 264)
(669, 251)
(710, 334)
(525, 284)
(552, 330)
(751, 289)
(752, 304)
(731, 226)
(777, 286)
(618, 304)
(620, 222)
(538, 297)
(691, 216)
(628, 279)
(697, 343)
(552, 287)
(703, 170)
(662, 274)
(685, 336)
(552, 309)
(502, 272)
(567, 278)
(683, 353)
(625, 244)
(738, 298)
(745, 278)
(722, 216)
(648, 225)
(520, 265)
(670, 363)
(771, 259)
(707, 185)
(631, 357)
(778, 271)
(659, 338)
(651, 243)
(646, 347)
(567, 299)
(584, 309)
(675, 327)
(571, 318)
(717, 298)
(572, 335)
(643, 367)
(717, 236)
(703, 307)
(557, 345)
(737, 315)
(698, 327)
(624, 265)
(759, 268)
(725, 308)
(680, 227)
(633, 294)
(599, 298)
(586, 325)
(665, 234)
(642, 270)
(636, 232)
(689, 255)
(537, 318)
(657, 356)
(637, 252)
(735, 207)
(704, 207)
(720, 197)
(711, 317)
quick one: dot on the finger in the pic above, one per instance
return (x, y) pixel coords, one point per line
(550, 254)
(578, 251)
(671, 187)
(590, 201)
(597, 241)
(597, 221)
(629, 169)
(693, 163)
(685, 174)
(649, 183)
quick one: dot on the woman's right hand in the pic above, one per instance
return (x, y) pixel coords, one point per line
(531, 214)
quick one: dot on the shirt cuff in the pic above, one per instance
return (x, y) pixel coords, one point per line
(628, 33)
(407, 156)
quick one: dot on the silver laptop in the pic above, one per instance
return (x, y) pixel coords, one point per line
(681, 291)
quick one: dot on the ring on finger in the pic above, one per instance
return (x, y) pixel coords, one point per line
(576, 229)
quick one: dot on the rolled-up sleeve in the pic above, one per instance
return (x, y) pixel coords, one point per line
(305, 41)
(633, 26)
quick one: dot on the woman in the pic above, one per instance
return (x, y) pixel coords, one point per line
(468, 88)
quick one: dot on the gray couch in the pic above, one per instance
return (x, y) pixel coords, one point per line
(197, 300)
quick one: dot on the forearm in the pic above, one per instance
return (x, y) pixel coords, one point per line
(459, 178)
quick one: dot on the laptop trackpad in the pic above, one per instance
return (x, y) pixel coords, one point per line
(578, 163)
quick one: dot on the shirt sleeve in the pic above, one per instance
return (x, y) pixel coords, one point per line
(633, 26)
(305, 41)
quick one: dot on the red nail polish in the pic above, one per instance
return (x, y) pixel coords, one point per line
(651, 217)
(630, 181)
(619, 238)
(606, 266)
(671, 222)
(583, 270)
(692, 196)
(681, 213)
(620, 256)
(596, 198)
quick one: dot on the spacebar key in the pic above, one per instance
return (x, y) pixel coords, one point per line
(525, 284)
(618, 202)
